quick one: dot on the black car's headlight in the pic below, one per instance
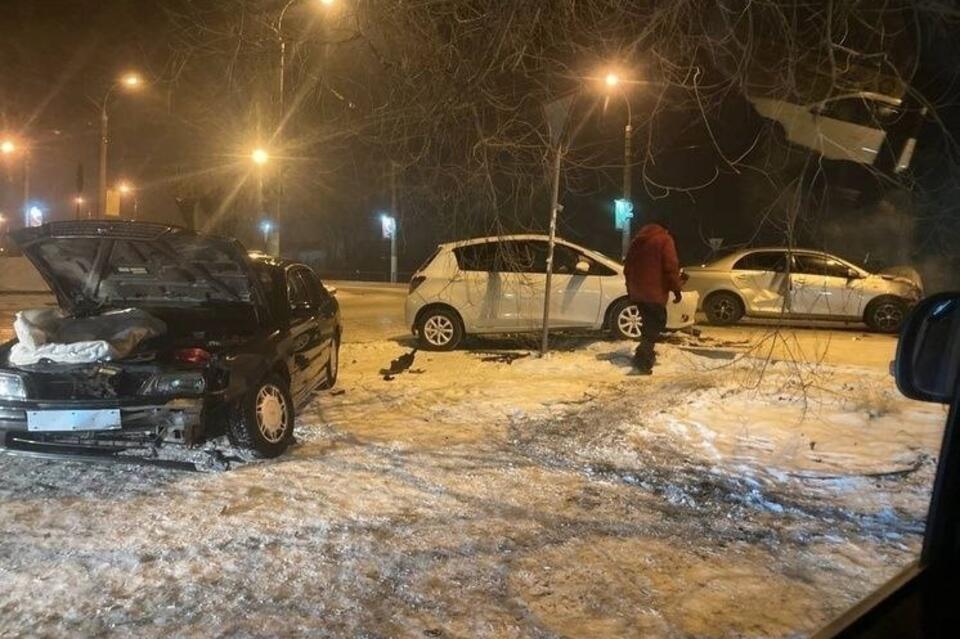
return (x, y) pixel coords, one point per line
(185, 383)
(12, 386)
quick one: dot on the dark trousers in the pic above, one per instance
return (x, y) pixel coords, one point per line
(654, 318)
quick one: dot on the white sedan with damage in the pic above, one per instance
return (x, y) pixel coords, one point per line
(802, 284)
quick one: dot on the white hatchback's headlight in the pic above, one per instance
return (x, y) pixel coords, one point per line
(12, 387)
(175, 384)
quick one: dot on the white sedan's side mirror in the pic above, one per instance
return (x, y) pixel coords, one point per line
(582, 267)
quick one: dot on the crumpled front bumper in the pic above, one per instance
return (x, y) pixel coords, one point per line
(154, 418)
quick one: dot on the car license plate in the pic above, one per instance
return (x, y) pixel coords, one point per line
(71, 420)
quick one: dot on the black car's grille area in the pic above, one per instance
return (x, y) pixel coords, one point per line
(118, 229)
(94, 382)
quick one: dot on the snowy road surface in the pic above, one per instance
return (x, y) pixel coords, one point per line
(759, 483)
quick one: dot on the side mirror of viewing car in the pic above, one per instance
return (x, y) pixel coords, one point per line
(582, 267)
(928, 355)
(853, 275)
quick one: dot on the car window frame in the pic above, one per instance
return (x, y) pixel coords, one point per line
(293, 274)
(781, 255)
(798, 257)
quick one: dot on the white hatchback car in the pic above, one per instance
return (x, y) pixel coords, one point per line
(821, 286)
(497, 284)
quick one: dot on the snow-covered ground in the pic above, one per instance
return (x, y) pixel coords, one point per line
(756, 485)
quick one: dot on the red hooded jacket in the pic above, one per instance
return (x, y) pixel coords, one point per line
(651, 268)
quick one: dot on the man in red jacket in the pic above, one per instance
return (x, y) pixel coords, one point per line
(652, 271)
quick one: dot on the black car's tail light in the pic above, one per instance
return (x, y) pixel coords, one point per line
(416, 281)
(192, 356)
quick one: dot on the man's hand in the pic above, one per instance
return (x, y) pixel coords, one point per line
(677, 297)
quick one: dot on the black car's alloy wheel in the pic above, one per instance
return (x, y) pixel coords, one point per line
(262, 422)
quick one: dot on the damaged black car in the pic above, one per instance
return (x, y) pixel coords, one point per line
(162, 336)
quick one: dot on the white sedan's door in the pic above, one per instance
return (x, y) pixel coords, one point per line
(761, 279)
(821, 286)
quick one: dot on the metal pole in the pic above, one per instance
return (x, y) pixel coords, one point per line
(26, 187)
(554, 208)
(396, 221)
(393, 255)
(102, 178)
(260, 210)
(277, 222)
(627, 161)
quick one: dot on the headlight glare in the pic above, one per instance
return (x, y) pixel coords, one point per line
(187, 383)
(12, 387)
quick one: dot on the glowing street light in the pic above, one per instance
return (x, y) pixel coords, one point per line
(129, 82)
(260, 156)
(126, 189)
(327, 3)
(11, 146)
(266, 227)
(132, 80)
(612, 79)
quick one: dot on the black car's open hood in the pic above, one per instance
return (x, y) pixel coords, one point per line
(92, 264)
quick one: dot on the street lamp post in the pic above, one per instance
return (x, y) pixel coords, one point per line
(282, 93)
(125, 189)
(9, 147)
(129, 82)
(612, 80)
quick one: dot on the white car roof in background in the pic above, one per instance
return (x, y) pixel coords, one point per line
(728, 260)
(600, 257)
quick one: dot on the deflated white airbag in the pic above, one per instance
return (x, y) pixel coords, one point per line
(45, 334)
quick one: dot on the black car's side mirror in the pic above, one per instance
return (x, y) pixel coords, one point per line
(853, 275)
(928, 355)
(301, 311)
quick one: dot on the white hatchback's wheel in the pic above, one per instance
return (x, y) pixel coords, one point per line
(626, 321)
(629, 322)
(439, 329)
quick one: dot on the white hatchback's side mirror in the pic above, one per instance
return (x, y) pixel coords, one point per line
(582, 267)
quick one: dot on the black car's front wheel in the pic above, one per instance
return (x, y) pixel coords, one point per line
(332, 369)
(262, 422)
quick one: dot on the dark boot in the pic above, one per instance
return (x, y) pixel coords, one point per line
(644, 358)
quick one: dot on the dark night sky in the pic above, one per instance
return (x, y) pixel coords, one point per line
(57, 56)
